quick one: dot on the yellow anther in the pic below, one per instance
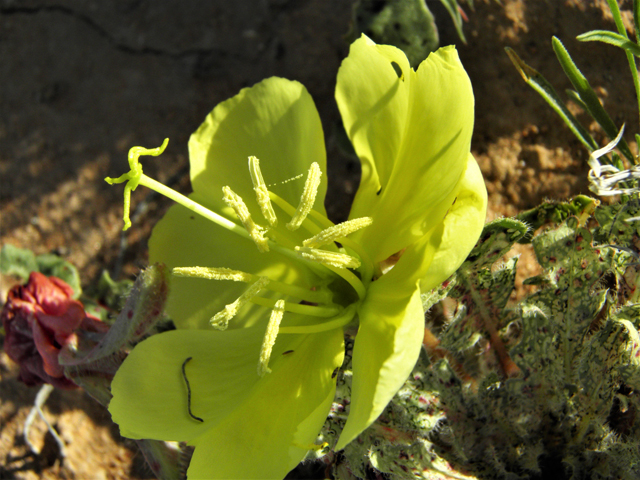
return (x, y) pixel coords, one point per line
(211, 273)
(256, 232)
(262, 194)
(337, 232)
(308, 197)
(220, 320)
(338, 260)
(270, 337)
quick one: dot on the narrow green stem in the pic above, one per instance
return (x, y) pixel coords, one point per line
(311, 296)
(309, 310)
(339, 321)
(321, 219)
(350, 278)
(366, 265)
(193, 206)
(617, 18)
(636, 80)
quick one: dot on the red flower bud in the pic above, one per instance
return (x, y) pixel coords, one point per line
(39, 319)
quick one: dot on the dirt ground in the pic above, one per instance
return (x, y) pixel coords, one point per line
(83, 81)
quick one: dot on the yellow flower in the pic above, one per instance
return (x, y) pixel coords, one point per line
(266, 285)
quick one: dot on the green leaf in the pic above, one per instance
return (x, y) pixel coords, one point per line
(540, 84)
(112, 293)
(617, 17)
(53, 266)
(588, 96)
(556, 212)
(575, 97)
(406, 24)
(636, 18)
(611, 38)
(454, 11)
(18, 262)
(496, 239)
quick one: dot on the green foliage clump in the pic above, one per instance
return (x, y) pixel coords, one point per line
(543, 388)
(406, 24)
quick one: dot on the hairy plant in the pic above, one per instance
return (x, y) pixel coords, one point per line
(542, 388)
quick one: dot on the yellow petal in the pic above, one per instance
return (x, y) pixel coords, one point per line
(412, 133)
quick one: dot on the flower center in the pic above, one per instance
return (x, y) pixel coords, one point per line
(323, 248)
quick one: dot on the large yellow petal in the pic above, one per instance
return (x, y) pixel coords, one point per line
(412, 133)
(462, 227)
(150, 396)
(388, 341)
(386, 350)
(253, 427)
(275, 121)
(450, 241)
(280, 420)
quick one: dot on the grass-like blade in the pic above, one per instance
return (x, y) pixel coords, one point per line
(588, 96)
(540, 84)
(631, 59)
(611, 38)
(573, 95)
(636, 18)
(456, 17)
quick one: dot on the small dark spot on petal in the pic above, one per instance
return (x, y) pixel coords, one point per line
(288, 352)
(398, 70)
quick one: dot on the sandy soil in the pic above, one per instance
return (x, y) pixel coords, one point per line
(82, 82)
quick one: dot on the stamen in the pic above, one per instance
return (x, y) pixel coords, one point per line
(341, 230)
(216, 273)
(256, 232)
(321, 295)
(311, 226)
(211, 273)
(220, 320)
(339, 321)
(333, 259)
(308, 197)
(262, 194)
(308, 310)
(270, 338)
